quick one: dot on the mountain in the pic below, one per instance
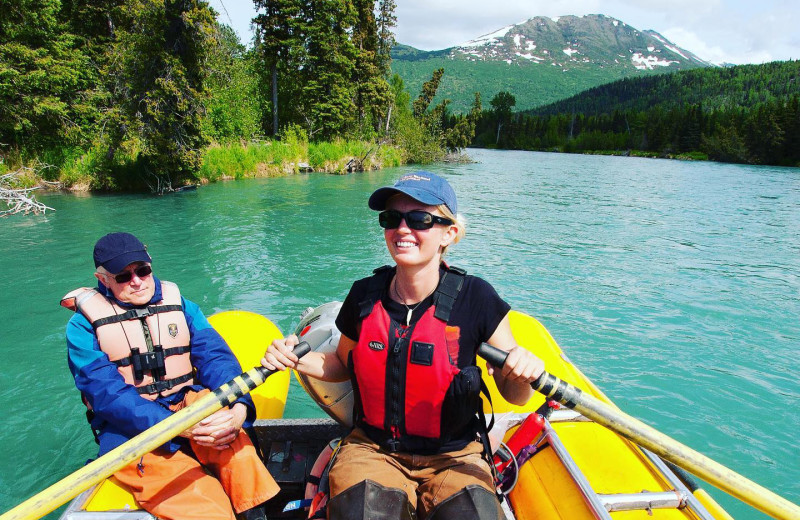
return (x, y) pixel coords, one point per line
(542, 60)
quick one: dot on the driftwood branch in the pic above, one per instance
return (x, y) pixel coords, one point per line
(19, 200)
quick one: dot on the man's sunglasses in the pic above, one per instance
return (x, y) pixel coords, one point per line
(141, 272)
(416, 219)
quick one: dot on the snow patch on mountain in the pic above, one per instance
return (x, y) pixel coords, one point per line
(642, 62)
(486, 39)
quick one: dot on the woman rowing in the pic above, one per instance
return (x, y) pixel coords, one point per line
(409, 339)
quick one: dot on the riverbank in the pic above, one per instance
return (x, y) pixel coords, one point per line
(86, 171)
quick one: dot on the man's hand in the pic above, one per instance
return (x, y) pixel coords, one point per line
(219, 429)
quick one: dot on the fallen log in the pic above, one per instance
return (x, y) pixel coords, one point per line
(19, 199)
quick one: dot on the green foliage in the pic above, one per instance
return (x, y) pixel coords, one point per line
(158, 66)
(531, 84)
(371, 66)
(233, 161)
(233, 110)
(280, 46)
(282, 157)
(127, 94)
(461, 129)
(40, 76)
(410, 133)
(295, 145)
(325, 63)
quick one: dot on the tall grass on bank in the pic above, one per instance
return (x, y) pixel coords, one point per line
(81, 169)
(271, 158)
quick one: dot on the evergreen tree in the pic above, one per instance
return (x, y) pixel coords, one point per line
(280, 40)
(328, 93)
(462, 131)
(371, 87)
(40, 75)
(502, 106)
(386, 22)
(408, 131)
(429, 89)
(159, 67)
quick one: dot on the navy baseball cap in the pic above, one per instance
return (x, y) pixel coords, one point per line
(425, 187)
(115, 251)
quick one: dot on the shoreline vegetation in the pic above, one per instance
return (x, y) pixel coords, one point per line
(144, 95)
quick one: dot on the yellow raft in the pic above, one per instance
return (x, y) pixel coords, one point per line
(580, 470)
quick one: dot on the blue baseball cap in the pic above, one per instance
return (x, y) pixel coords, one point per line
(425, 187)
(115, 251)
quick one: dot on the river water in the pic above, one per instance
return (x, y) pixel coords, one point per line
(674, 285)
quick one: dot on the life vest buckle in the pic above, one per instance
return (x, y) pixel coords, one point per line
(141, 312)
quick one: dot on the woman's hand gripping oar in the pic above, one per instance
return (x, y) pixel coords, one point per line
(655, 441)
(98, 470)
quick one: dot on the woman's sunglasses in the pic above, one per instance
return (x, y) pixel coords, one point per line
(141, 272)
(416, 219)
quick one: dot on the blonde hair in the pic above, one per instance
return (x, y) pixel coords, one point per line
(459, 221)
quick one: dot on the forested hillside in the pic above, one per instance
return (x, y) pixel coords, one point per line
(745, 114)
(743, 86)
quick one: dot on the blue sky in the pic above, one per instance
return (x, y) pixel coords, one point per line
(733, 31)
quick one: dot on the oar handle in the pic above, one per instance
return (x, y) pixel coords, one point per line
(148, 440)
(299, 350)
(648, 437)
(546, 383)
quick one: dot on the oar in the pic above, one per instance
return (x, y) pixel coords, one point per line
(116, 459)
(655, 441)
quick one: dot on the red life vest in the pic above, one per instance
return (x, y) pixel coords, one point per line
(411, 393)
(149, 345)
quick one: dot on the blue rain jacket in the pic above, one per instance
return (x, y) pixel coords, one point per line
(120, 413)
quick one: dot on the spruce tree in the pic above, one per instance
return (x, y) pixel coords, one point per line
(160, 74)
(40, 75)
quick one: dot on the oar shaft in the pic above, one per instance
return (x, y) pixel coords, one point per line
(655, 441)
(116, 459)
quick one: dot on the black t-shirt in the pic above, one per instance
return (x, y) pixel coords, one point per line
(477, 312)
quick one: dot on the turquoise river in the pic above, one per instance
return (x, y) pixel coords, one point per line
(674, 285)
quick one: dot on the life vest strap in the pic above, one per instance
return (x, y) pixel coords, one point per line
(136, 314)
(161, 386)
(374, 288)
(149, 364)
(447, 292)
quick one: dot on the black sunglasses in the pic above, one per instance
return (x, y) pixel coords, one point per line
(141, 272)
(416, 219)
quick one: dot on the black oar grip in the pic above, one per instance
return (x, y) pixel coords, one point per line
(497, 357)
(492, 355)
(547, 384)
(300, 350)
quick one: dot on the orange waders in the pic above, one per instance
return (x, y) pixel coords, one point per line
(175, 486)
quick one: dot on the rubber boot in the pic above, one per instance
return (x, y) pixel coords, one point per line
(255, 513)
(473, 502)
(369, 500)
